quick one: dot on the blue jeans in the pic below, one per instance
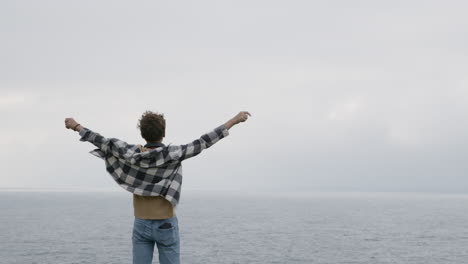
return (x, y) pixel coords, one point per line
(165, 233)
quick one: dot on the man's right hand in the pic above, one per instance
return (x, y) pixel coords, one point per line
(240, 117)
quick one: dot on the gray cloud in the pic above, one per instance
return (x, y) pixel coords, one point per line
(362, 95)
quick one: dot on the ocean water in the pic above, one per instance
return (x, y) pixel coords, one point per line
(96, 227)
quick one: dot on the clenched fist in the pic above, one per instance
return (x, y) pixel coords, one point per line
(70, 123)
(240, 117)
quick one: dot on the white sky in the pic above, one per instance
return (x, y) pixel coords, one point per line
(345, 95)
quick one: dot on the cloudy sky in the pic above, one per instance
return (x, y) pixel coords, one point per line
(345, 95)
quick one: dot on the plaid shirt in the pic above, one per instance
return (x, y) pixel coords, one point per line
(155, 172)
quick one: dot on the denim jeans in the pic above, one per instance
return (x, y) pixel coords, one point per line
(165, 233)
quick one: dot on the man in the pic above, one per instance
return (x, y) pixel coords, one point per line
(153, 173)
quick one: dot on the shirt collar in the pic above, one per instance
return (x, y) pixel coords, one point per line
(154, 145)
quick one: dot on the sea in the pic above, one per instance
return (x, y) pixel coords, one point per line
(235, 227)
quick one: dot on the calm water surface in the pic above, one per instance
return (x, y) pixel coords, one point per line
(95, 227)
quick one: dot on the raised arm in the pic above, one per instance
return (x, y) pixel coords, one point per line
(106, 145)
(194, 148)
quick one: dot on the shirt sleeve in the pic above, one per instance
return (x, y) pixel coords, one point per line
(182, 152)
(105, 145)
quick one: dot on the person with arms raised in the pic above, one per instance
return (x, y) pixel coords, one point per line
(153, 173)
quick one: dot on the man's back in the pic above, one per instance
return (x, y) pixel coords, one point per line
(152, 207)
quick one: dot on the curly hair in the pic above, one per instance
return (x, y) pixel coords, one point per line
(152, 126)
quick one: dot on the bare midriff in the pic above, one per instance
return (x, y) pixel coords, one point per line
(152, 207)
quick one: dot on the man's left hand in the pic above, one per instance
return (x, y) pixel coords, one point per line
(70, 123)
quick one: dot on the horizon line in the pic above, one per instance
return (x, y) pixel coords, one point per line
(230, 191)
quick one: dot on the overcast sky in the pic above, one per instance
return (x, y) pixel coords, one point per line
(344, 95)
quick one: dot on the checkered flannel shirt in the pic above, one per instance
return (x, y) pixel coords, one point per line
(155, 172)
